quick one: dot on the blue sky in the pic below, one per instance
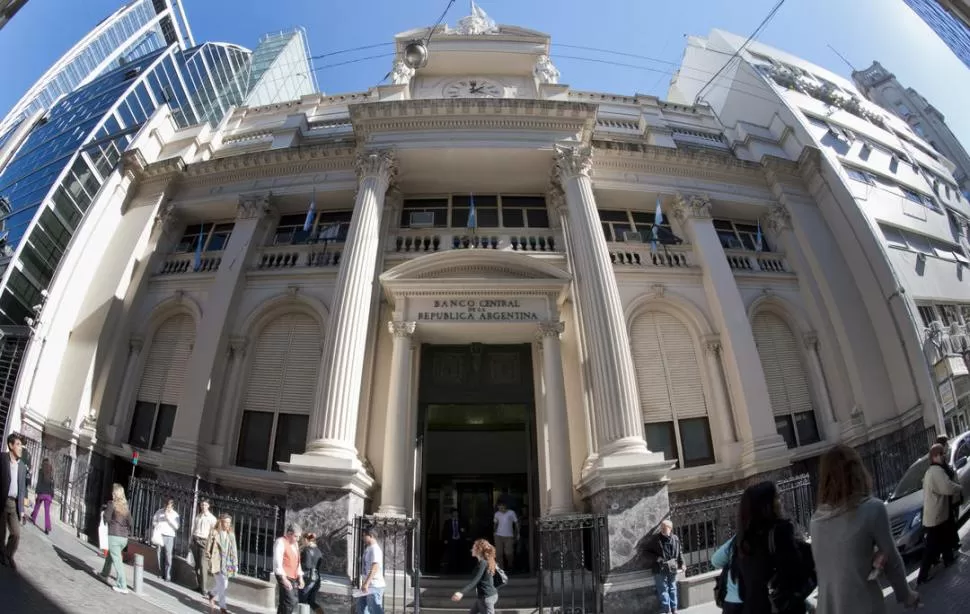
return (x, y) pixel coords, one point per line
(862, 30)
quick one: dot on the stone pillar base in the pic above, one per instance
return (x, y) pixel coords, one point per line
(328, 512)
(632, 593)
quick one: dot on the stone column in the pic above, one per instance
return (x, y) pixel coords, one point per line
(204, 371)
(115, 430)
(722, 405)
(619, 422)
(557, 422)
(825, 411)
(231, 392)
(762, 445)
(331, 452)
(395, 481)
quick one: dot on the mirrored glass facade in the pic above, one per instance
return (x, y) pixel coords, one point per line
(280, 69)
(951, 30)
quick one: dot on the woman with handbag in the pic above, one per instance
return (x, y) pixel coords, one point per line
(223, 561)
(165, 523)
(668, 561)
(118, 519)
(777, 572)
(486, 580)
(310, 560)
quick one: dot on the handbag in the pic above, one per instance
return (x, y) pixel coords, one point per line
(721, 582)
(157, 539)
(500, 578)
(787, 598)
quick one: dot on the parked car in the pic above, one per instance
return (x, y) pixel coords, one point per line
(905, 504)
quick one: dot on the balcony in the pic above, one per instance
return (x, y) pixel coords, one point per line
(743, 261)
(177, 264)
(298, 256)
(427, 241)
(634, 255)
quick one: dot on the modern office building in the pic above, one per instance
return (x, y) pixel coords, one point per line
(9, 8)
(61, 163)
(881, 87)
(477, 282)
(949, 19)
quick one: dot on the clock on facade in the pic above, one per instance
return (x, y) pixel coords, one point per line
(474, 88)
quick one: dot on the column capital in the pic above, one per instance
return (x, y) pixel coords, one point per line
(237, 345)
(380, 162)
(810, 339)
(135, 344)
(713, 344)
(778, 218)
(692, 206)
(166, 219)
(574, 160)
(402, 329)
(253, 206)
(550, 329)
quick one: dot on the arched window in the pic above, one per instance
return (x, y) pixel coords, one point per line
(279, 392)
(671, 393)
(788, 388)
(161, 382)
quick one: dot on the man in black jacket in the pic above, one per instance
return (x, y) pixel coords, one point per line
(13, 489)
(668, 560)
(453, 533)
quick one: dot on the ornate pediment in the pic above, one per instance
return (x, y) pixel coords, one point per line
(471, 265)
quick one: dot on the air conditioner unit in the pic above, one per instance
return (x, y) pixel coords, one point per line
(632, 236)
(421, 219)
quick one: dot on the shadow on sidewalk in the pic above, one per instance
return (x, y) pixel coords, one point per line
(194, 601)
(21, 596)
(75, 562)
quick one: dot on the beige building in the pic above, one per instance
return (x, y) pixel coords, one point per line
(399, 357)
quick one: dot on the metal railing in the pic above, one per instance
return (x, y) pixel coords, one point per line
(397, 538)
(256, 524)
(573, 553)
(705, 523)
(888, 458)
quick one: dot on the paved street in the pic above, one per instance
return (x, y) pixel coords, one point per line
(57, 574)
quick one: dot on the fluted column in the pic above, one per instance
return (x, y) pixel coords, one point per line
(395, 483)
(126, 398)
(334, 420)
(619, 422)
(557, 421)
(742, 364)
(227, 414)
(721, 403)
(825, 410)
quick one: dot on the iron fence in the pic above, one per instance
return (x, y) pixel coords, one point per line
(705, 523)
(256, 524)
(888, 458)
(572, 562)
(397, 538)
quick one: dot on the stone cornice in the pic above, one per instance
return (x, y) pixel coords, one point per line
(485, 114)
(610, 155)
(271, 163)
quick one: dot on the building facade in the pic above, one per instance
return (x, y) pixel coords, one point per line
(949, 19)
(477, 283)
(9, 8)
(881, 87)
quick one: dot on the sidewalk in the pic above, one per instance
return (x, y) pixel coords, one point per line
(57, 574)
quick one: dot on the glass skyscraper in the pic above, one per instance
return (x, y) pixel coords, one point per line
(954, 32)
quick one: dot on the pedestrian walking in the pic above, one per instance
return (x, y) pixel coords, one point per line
(777, 570)
(956, 500)
(118, 519)
(372, 583)
(484, 579)
(506, 535)
(850, 537)
(13, 489)
(165, 524)
(223, 561)
(202, 528)
(310, 560)
(937, 516)
(668, 560)
(44, 494)
(286, 567)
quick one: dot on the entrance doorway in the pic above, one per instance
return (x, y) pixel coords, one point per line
(477, 426)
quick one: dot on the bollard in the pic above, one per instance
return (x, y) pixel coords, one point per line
(303, 608)
(139, 574)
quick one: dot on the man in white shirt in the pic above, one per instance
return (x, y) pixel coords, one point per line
(202, 528)
(372, 581)
(286, 567)
(506, 534)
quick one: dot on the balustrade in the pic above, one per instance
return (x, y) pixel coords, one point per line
(298, 256)
(427, 241)
(756, 262)
(626, 254)
(176, 264)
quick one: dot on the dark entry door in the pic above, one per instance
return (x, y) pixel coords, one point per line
(476, 505)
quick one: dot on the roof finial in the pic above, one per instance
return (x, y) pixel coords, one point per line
(478, 22)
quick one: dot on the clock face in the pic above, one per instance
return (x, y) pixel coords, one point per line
(474, 88)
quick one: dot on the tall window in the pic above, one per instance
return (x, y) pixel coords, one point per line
(215, 236)
(620, 225)
(161, 383)
(279, 392)
(675, 412)
(491, 211)
(788, 389)
(738, 235)
(328, 225)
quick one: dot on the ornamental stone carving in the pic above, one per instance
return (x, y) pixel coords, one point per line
(370, 163)
(713, 345)
(778, 218)
(477, 23)
(401, 73)
(555, 195)
(811, 341)
(549, 329)
(545, 71)
(135, 344)
(253, 206)
(402, 329)
(237, 346)
(692, 206)
(572, 161)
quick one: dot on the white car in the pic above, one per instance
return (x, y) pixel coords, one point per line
(905, 505)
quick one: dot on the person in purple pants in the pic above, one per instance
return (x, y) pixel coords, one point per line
(45, 494)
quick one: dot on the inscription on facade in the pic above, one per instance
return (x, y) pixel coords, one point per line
(481, 310)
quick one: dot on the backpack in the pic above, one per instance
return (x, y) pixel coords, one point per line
(500, 578)
(787, 598)
(721, 582)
